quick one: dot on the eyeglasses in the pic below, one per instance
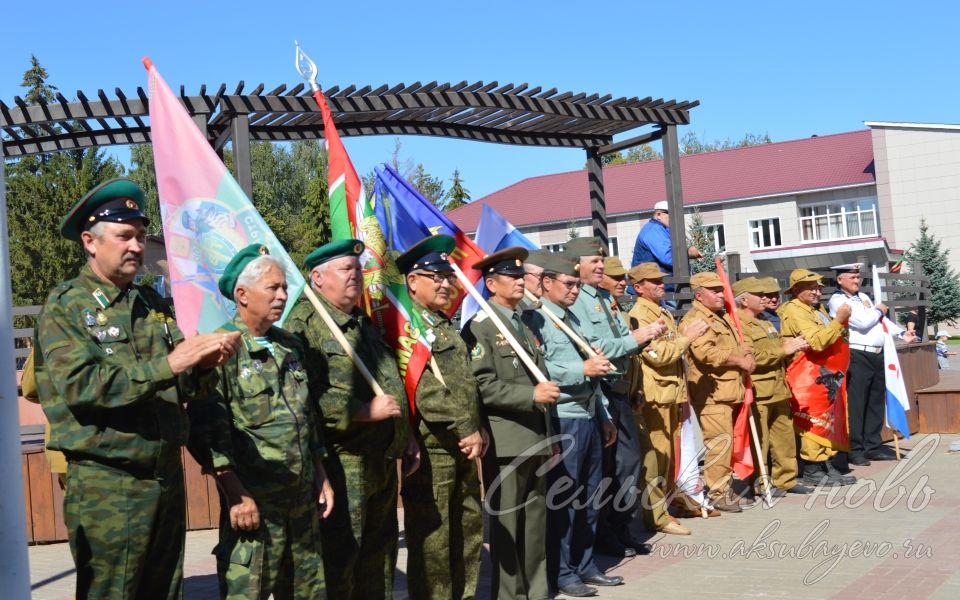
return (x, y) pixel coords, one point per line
(450, 278)
(570, 285)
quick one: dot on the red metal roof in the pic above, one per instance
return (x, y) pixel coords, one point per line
(764, 170)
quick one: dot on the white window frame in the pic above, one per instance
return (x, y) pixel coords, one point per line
(613, 246)
(554, 247)
(719, 245)
(843, 214)
(755, 226)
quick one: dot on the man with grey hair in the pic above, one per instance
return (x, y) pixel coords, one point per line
(258, 434)
(365, 432)
(113, 371)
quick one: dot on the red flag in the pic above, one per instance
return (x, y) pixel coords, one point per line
(742, 458)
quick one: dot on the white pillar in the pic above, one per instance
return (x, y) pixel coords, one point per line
(14, 564)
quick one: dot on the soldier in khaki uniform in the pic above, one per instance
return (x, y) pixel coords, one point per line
(804, 317)
(715, 373)
(258, 433)
(656, 375)
(771, 393)
(441, 500)
(514, 406)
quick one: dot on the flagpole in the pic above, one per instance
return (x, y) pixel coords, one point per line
(576, 339)
(335, 330)
(748, 382)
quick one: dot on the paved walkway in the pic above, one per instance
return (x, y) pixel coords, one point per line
(894, 535)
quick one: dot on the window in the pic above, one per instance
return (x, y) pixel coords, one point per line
(554, 247)
(765, 233)
(719, 239)
(839, 220)
(613, 248)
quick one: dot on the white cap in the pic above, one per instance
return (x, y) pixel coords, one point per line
(662, 205)
(847, 268)
(942, 333)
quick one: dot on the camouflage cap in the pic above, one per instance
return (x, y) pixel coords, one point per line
(508, 261)
(770, 285)
(561, 265)
(750, 285)
(612, 267)
(114, 201)
(707, 279)
(429, 254)
(803, 276)
(584, 246)
(646, 270)
(240, 260)
(337, 249)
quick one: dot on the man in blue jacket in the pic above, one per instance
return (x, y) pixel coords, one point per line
(653, 241)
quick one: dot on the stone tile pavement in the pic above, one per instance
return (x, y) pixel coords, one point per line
(894, 535)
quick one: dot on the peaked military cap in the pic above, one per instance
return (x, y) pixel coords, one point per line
(536, 257)
(508, 261)
(240, 260)
(612, 267)
(584, 246)
(562, 265)
(847, 268)
(804, 275)
(646, 270)
(750, 285)
(429, 254)
(336, 249)
(706, 279)
(114, 201)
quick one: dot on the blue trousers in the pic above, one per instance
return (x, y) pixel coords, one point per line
(572, 515)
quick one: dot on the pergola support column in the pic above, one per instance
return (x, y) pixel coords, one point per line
(598, 202)
(678, 225)
(240, 132)
(14, 561)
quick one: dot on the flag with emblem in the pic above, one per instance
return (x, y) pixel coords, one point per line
(207, 218)
(687, 465)
(385, 297)
(896, 398)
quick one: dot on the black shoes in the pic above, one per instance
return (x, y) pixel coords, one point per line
(882, 453)
(602, 580)
(578, 590)
(799, 488)
(859, 460)
(834, 475)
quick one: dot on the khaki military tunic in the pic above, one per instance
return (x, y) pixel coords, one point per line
(772, 398)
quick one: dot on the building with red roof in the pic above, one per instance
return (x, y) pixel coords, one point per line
(813, 202)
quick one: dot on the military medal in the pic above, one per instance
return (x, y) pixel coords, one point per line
(431, 336)
(113, 331)
(101, 318)
(101, 334)
(258, 366)
(245, 373)
(597, 307)
(88, 319)
(516, 363)
(108, 350)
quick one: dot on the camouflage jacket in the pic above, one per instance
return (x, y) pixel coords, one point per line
(339, 387)
(260, 420)
(446, 412)
(103, 377)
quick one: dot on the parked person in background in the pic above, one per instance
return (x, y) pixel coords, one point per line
(943, 350)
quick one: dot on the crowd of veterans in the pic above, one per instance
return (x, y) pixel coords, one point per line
(555, 411)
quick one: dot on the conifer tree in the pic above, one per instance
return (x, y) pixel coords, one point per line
(944, 281)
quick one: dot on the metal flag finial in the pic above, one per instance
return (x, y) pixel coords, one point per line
(306, 67)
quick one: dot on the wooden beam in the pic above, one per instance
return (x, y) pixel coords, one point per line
(240, 128)
(630, 143)
(678, 226)
(598, 203)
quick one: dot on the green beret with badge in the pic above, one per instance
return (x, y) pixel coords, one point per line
(336, 249)
(429, 254)
(114, 201)
(508, 261)
(228, 281)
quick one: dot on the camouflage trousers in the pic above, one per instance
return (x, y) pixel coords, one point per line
(282, 557)
(126, 532)
(444, 527)
(360, 535)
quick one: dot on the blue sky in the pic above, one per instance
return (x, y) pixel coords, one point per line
(786, 69)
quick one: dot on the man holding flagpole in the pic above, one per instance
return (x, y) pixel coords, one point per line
(441, 500)
(365, 432)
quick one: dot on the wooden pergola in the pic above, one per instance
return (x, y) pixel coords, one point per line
(488, 112)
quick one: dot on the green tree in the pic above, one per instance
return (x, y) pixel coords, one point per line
(572, 232)
(430, 187)
(458, 195)
(690, 143)
(142, 171)
(641, 153)
(699, 236)
(944, 282)
(312, 227)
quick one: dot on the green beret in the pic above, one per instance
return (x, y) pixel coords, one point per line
(115, 201)
(584, 246)
(750, 285)
(429, 254)
(228, 281)
(508, 261)
(561, 265)
(336, 249)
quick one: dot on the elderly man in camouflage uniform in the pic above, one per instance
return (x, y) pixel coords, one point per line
(113, 372)
(656, 375)
(441, 500)
(716, 367)
(365, 433)
(259, 435)
(604, 328)
(514, 406)
(775, 422)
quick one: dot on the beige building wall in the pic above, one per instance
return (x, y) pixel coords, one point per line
(918, 177)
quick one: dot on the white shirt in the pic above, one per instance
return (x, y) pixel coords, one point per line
(864, 324)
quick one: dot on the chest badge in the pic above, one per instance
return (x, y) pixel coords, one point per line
(245, 373)
(516, 363)
(88, 319)
(431, 336)
(101, 318)
(258, 365)
(113, 331)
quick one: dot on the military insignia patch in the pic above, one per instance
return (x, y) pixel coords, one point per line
(245, 373)
(431, 336)
(113, 331)
(88, 319)
(477, 352)
(258, 366)
(101, 318)
(101, 298)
